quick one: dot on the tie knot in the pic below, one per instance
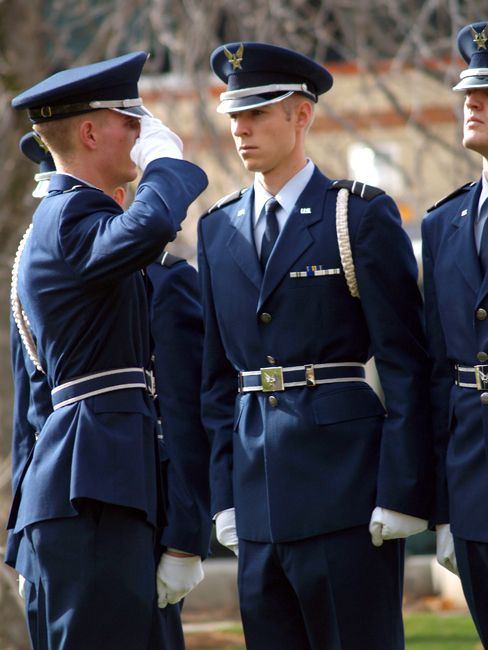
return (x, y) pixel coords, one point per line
(271, 205)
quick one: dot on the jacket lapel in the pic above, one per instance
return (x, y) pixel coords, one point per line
(462, 240)
(241, 242)
(295, 238)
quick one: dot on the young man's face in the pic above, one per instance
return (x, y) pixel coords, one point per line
(476, 120)
(265, 137)
(119, 133)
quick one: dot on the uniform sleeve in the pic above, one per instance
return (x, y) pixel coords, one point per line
(440, 384)
(23, 432)
(219, 389)
(387, 280)
(177, 330)
(100, 243)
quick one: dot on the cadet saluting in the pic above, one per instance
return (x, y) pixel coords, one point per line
(455, 255)
(303, 457)
(90, 497)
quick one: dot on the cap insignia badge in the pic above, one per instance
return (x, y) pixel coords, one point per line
(236, 58)
(480, 38)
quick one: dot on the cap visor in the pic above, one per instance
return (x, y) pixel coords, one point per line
(472, 82)
(253, 101)
(134, 111)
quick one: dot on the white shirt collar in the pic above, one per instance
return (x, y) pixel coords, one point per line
(287, 196)
(484, 192)
(79, 179)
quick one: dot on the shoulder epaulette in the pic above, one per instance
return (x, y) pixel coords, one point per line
(167, 259)
(367, 192)
(230, 198)
(450, 196)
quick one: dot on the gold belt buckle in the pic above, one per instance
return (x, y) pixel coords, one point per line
(310, 375)
(481, 376)
(272, 379)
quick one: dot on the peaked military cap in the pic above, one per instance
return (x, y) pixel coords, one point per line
(472, 43)
(108, 84)
(257, 74)
(33, 148)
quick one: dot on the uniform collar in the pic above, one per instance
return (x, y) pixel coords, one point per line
(287, 196)
(61, 181)
(483, 195)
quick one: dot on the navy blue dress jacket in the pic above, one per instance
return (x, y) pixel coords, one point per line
(455, 292)
(323, 457)
(177, 330)
(82, 290)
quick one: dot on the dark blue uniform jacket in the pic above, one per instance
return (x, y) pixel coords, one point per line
(84, 295)
(177, 330)
(455, 292)
(322, 458)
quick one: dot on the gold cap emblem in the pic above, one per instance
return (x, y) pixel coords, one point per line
(480, 38)
(236, 58)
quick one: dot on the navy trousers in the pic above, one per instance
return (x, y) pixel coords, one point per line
(472, 560)
(95, 581)
(332, 592)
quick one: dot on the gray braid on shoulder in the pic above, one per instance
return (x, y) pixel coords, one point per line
(20, 317)
(345, 243)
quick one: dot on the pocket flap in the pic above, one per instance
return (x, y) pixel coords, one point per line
(351, 404)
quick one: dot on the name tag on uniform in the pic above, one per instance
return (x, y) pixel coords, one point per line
(312, 271)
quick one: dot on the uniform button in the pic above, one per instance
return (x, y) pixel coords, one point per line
(266, 318)
(274, 402)
(481, 314)
(484, 398)
(271, 360)
(482, 356)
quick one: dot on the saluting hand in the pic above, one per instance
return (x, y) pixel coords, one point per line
(155, 141)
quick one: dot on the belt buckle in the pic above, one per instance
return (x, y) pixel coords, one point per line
(481, 376)
(309, 375)
(272, 379)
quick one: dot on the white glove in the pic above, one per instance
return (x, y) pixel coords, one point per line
(446, 555)
(22, 586)
(155, 141)
(176, 577)
(225, 522)
(388, 524)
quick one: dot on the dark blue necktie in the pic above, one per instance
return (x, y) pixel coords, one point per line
(484, 243)
(271, 233)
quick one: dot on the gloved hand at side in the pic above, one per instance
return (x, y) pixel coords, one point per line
(446, 555)
(21, 586)
(388, 524)
(225, 522)
(155, 141)
(177, 576)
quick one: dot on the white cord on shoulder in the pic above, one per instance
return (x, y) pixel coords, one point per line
(17, 309)
(345, 243)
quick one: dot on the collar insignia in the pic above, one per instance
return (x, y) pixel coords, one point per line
(306, 210)
(236, 58)
(480, 38)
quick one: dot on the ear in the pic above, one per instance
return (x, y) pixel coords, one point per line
(303, 112)
(119, 196)
(88, 134)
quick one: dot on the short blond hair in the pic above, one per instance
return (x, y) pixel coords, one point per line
(289, 104)
(59, 135)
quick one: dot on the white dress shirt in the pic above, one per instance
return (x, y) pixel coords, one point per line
(482, 212)
(286, 197)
